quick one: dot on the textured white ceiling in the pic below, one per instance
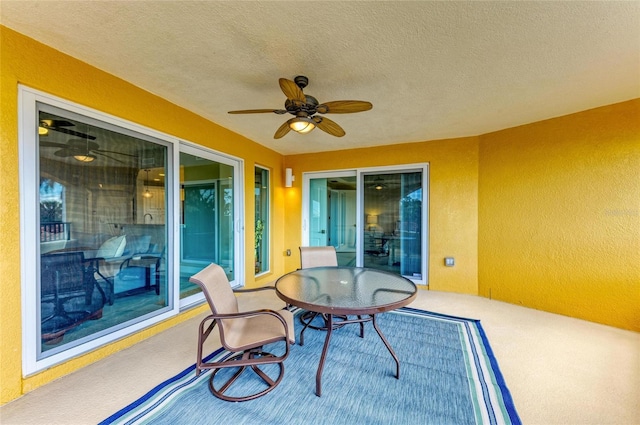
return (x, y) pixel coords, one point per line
(432, 70)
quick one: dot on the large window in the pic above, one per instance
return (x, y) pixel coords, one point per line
(98, 201)
(102, 229)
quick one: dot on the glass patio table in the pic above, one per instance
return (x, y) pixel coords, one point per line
(345, 291)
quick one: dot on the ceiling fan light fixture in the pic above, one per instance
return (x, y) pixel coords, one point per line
(302, 125)
(85, 157)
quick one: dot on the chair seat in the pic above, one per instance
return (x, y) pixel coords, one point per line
(245, 332)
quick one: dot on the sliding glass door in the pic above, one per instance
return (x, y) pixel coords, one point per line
(330, 213)
(374, 218)
(208, 213)
(392, 217)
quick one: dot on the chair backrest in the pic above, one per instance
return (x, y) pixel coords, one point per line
(215, 286)
(63, 274)
(318, 256)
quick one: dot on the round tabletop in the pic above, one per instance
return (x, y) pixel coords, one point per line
(345, 290)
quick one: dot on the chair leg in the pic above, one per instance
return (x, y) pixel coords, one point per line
(270, 382)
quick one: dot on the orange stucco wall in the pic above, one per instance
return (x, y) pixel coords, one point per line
(545, 215)
(25, 61)
(453, 201)
(559, 215)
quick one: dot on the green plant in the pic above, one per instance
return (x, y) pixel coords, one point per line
(258, 238)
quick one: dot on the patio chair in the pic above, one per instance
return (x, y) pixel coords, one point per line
(244, 333)
(319, 256)
(69, 294)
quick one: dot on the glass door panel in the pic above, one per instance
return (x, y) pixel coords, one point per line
(331, 214)
(392, 231)
(206, 217)
(102, 229)
(318, 218)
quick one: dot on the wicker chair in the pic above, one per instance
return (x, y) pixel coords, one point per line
(244, 333)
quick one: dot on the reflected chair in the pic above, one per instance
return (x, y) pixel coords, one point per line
(139, 273)
(69, 294)
(244, 333)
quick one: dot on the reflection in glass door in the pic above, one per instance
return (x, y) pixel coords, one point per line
(331, 214)
(199, 223)
(392, 231)
(207, 217)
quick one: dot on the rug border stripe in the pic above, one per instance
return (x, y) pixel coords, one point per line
(507, 400)
(476, 342)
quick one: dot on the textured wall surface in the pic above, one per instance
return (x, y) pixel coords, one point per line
(453, 200)
(559, 215)
(544, 215)
(27, 62)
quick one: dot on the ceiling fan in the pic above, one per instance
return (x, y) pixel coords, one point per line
(60, 126)
(305, 108)
(83, 150)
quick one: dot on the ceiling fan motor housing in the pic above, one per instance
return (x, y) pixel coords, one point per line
(310, 105)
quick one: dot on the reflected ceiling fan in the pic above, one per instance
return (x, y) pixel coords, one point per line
(305, 108)
(61, 126)
(83, 150)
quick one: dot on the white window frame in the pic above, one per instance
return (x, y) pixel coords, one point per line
(360, 172)
(269, 200)
(238, 212)
(29, 187)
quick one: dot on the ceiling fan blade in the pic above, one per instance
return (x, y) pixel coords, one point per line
(82, 144)
(63, 153)
(52, 145)
(72, 132)
(258, 111)
(102, 152)
(55, 123)
(328, 126)
(108, 156)
(291, 90)
(344, 107)
(282, 130)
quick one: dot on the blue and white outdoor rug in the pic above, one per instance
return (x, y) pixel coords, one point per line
(448, 375)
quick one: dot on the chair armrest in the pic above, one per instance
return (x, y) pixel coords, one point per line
(261, 288)
(252, 313)
(243, 314)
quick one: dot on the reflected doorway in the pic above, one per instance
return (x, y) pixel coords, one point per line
(332, 215)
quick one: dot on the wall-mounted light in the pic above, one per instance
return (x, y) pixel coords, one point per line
(288, 177)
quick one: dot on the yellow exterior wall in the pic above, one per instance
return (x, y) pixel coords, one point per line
(545, 215)
(559, 215)
(453, 201)
(25, 61)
